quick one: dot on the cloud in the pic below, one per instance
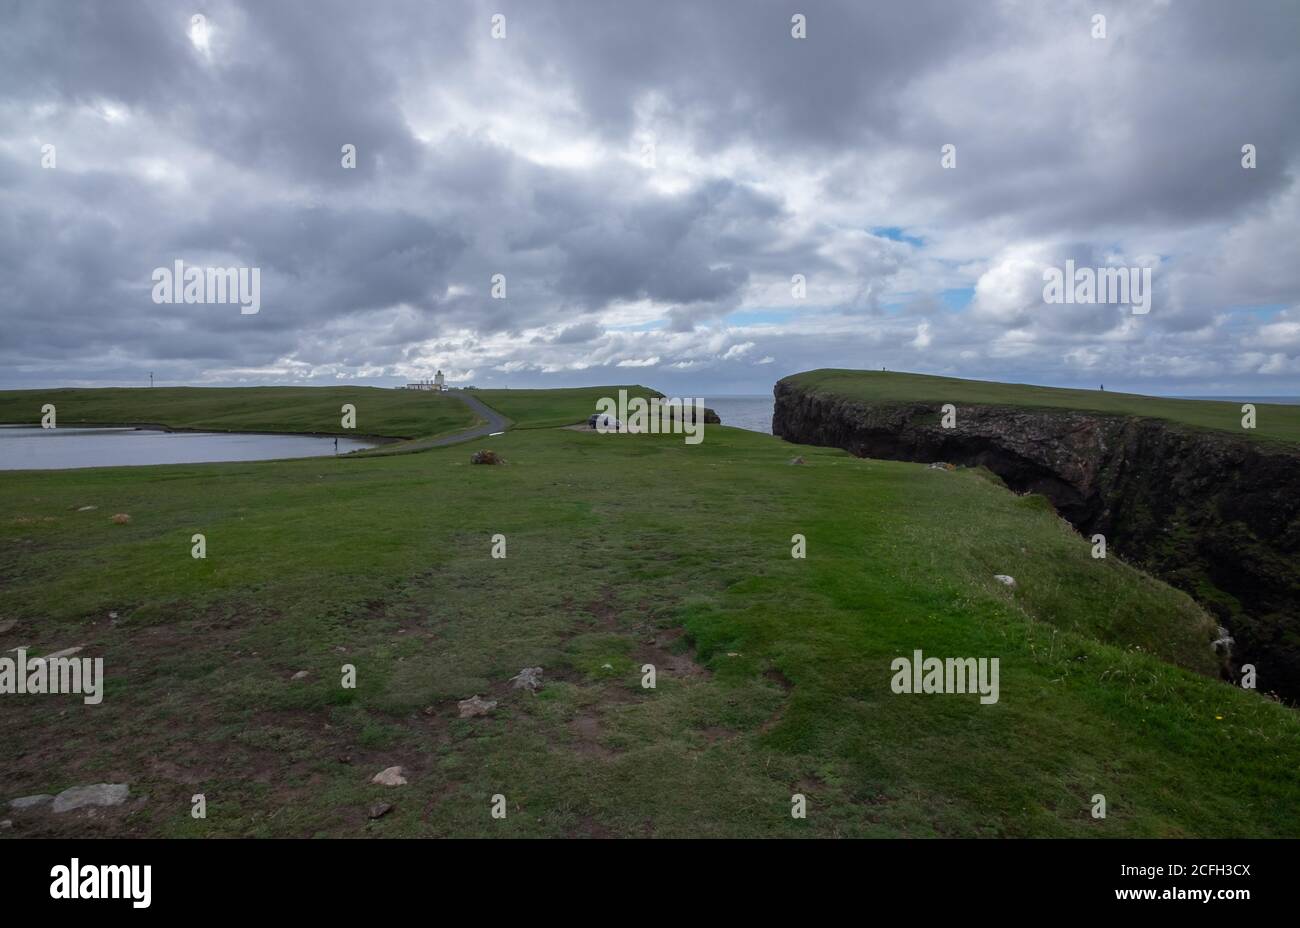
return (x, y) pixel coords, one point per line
(646, 179)
(578, 334)
(737, 351)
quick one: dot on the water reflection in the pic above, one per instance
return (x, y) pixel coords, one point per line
(27, 447)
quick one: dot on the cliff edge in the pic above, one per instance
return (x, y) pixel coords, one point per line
(1214, 514)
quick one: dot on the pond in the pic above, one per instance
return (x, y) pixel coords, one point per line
(25, 447)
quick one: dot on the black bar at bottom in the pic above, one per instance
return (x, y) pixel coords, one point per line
(335, 877)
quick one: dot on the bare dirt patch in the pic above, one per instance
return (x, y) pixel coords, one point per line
(586, 731)
(778, 678)
(669, 652)
(715, 734)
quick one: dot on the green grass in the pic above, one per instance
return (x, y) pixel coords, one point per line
(617, 545)
(387, 413)
(540, 409)
(1274, 421)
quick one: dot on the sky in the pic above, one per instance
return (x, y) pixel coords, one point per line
(685, 195)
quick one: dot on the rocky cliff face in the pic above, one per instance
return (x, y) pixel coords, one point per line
(1211, 513)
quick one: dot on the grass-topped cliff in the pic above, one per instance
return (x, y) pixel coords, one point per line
(1274, 421)
(1177, 486)
(773, 672)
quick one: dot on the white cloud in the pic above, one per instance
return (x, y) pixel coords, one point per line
(922, 339)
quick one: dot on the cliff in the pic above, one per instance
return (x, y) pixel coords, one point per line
(1212, 513)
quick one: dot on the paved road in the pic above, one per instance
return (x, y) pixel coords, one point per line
(493, 422)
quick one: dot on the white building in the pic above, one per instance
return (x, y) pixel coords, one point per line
(437, 384)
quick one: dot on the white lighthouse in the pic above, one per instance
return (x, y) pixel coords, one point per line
(436, 384)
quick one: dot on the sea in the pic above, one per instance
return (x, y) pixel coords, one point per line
(753, 412)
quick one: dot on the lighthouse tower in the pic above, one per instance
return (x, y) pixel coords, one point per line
(438, 381)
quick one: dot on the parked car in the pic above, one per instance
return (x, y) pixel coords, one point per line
(604, 422)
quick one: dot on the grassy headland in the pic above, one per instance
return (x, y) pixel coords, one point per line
(541, 409)
(773, 672)
(1274, 421)
(386, 413)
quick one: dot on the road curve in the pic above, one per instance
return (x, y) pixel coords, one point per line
(493, 420)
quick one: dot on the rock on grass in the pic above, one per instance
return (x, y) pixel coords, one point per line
(391, 776)
(530, 678)
(29, 802)
(100, 794)
(475, 705)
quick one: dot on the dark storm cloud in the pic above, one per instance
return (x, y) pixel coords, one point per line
(732, 72)
(658, 250)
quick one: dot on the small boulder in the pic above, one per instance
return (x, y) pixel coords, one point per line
(530, 678)
(798, 460)
(391, 776)
(301, 675)
(7, 624)
(29, 802)
(380, 809)
(87, 508)
(1005, 580)
(121, 518)
(100, 794)
(486, 457)
(475, 705)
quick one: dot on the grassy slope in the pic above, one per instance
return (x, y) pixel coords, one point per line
(390, 413)
(1274, 421)
(615, 542)
(536, 409)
